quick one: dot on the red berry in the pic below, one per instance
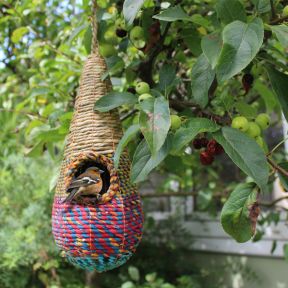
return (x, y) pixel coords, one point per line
(197, 144)
(206, 158)
(214, 148)
(204, 142)
(219, 149)
(211, 146)
(247, 82)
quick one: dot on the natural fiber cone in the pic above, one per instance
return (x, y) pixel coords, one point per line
(90, 130)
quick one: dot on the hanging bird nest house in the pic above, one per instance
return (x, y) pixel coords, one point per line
(96, 235)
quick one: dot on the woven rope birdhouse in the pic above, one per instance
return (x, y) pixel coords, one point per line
(99, 234)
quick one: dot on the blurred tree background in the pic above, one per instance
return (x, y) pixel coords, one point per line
(42, 49)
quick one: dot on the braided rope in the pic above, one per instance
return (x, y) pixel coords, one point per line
(94, 43)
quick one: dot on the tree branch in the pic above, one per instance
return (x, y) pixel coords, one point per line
(279, 20)
(277, 167)
(23, 113)
(180, 105)
(146, 67)
(273, 13)
(130, 113)
(274, 202)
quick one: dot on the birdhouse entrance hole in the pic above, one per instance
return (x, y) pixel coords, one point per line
(105, 176)
(109, 177)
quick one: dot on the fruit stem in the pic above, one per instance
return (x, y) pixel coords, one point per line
(277, 146)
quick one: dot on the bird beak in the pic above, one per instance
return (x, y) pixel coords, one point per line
(101, 171)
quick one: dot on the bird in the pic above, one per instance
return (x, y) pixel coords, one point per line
(88, 183)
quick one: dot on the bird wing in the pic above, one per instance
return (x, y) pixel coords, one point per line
(85, 181)
(71, 195)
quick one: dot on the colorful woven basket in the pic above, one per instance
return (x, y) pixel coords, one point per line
(104, 235)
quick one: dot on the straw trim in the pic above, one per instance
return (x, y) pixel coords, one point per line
(74, 165)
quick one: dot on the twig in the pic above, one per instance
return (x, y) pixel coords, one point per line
(53, 48)
(277, 167)
(145, 68)
(277, 146)
(132, 112)
(23, 113)
(180, 105)
(253, 99)
(279, 20)
(273, 13)
(274, 202)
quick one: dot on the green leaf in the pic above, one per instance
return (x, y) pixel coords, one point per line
(37, 150)
(87, 40)
(37, 91)
(134, 273)
(283, 179)
(281, 32)
(200, 20)
(128, 284)
(268, 96)
(113, 100)
(18, 34)
(245, 109)
(154, 121)
(130, 9)
(143, 162)
(245, 153)
(167, 76)
(129, 134)
(201, 79)
(172, 14)
(193, 127)
(46, 134)
(240, 212)
(241, 43)
(230, 10)
(76, 32)
(192, 39)
(279, 82)
(211, 46)
(262, 6)
(115, 65)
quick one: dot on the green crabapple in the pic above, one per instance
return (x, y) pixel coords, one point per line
(241, 123)
(142, 88)
(253, 130)
(144, 97)
(263, 120)
(175, 122)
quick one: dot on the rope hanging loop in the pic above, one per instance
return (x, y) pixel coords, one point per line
(94, 27)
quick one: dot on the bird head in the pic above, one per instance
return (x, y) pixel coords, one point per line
(95, 169)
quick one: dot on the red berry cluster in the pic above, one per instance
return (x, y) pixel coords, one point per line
(212, 148)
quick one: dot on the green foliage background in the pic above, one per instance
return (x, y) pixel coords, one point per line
(195, 68)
